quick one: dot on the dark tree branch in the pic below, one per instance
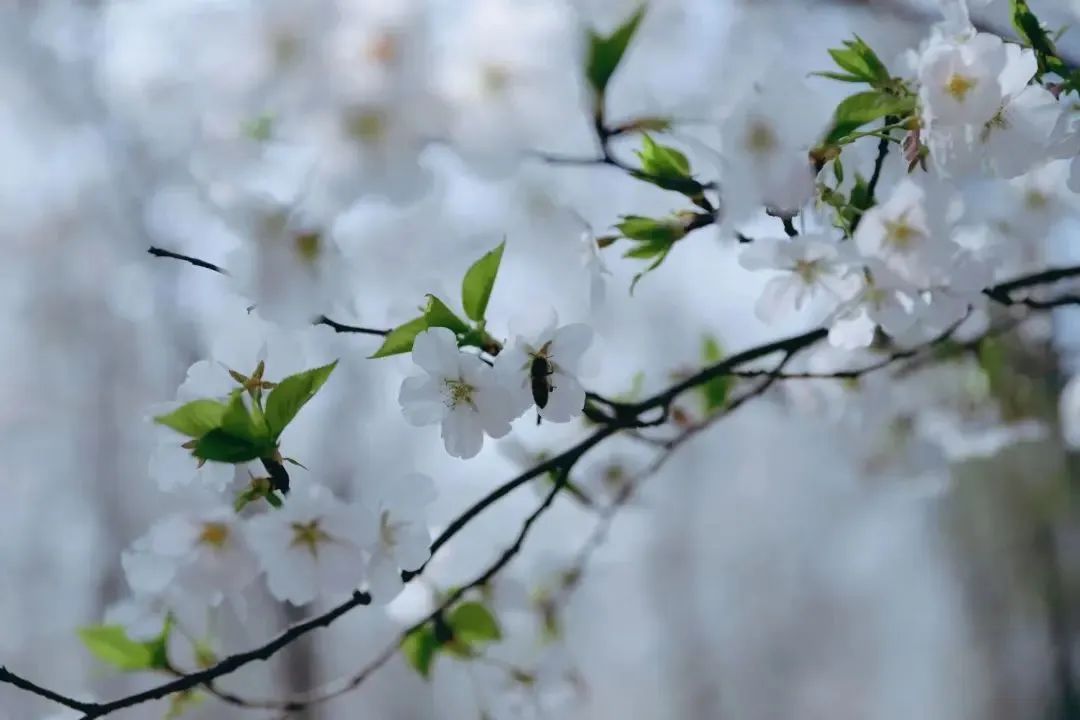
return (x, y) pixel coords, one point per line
(627, 416)
(162, 253)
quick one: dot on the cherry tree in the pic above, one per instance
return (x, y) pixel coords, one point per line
(890, 206)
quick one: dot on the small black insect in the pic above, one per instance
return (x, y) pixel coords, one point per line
(279, 476)
(539, 373)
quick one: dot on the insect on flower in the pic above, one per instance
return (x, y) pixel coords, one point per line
(539, 373)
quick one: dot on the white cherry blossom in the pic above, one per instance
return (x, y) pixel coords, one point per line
(808, 266)
(959, 79)
(314, 546)
(456, 390)
(562, 349)
(403, 538)
(909, 232)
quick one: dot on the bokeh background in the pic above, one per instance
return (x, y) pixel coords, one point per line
(812, 556)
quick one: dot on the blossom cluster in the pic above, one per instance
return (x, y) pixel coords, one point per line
(470, 398)
(986, 142)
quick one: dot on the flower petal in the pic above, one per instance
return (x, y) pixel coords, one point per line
(436, 351)
(566, 401)
(462, 434)
(569, 343)
(421, 400)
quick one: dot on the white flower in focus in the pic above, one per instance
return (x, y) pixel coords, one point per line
(403, 539)
(809, 265)
(313, 546)
(562, 349)
(959, 79)
(458, 390)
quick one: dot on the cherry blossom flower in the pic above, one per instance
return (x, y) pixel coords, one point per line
(315, 545)
(909, 232)
(959, 79)
(562, 349)
(808, 265)
(403, 537)
(882, 300)
(457, 390)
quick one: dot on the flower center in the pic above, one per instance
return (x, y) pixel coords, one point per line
(309, 535)
(383, 49)
(959, 86)
(214, 535)
(308, 246)
(1035, 200)
(807, 270)
(365, 125)
(761, 140)
(900, 235)
(459, 392)
(387, 530)
(494, 78)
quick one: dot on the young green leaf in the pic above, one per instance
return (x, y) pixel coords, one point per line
(478, 283)
(860, 60)
(111, 645)
(194, 419)
(400, 339)
(437, 314)
(1031, 29)
(857, 110)
(652, 266)
(291, 394)
(221, 446)
(473, 623)
(644, 229)
(715, 392)
(419, 648)
(662, 160)
(605, 53)
(238, 422)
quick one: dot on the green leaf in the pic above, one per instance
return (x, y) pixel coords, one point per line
(400, 339)
(194, 419)
(478, 282)
(861, 108)
(666, 168)
(221, 446)
(643, 229)
(842, 77)
(715, 392)
(652, 266)
(473, 623)
(647, 250)
(419, 648)
(860, 60)
(259, 128)
(605, 53)
(662, 160)
(291, 394)
(111, 645)
(238, 422)
(437, 314)
(1031, 29)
